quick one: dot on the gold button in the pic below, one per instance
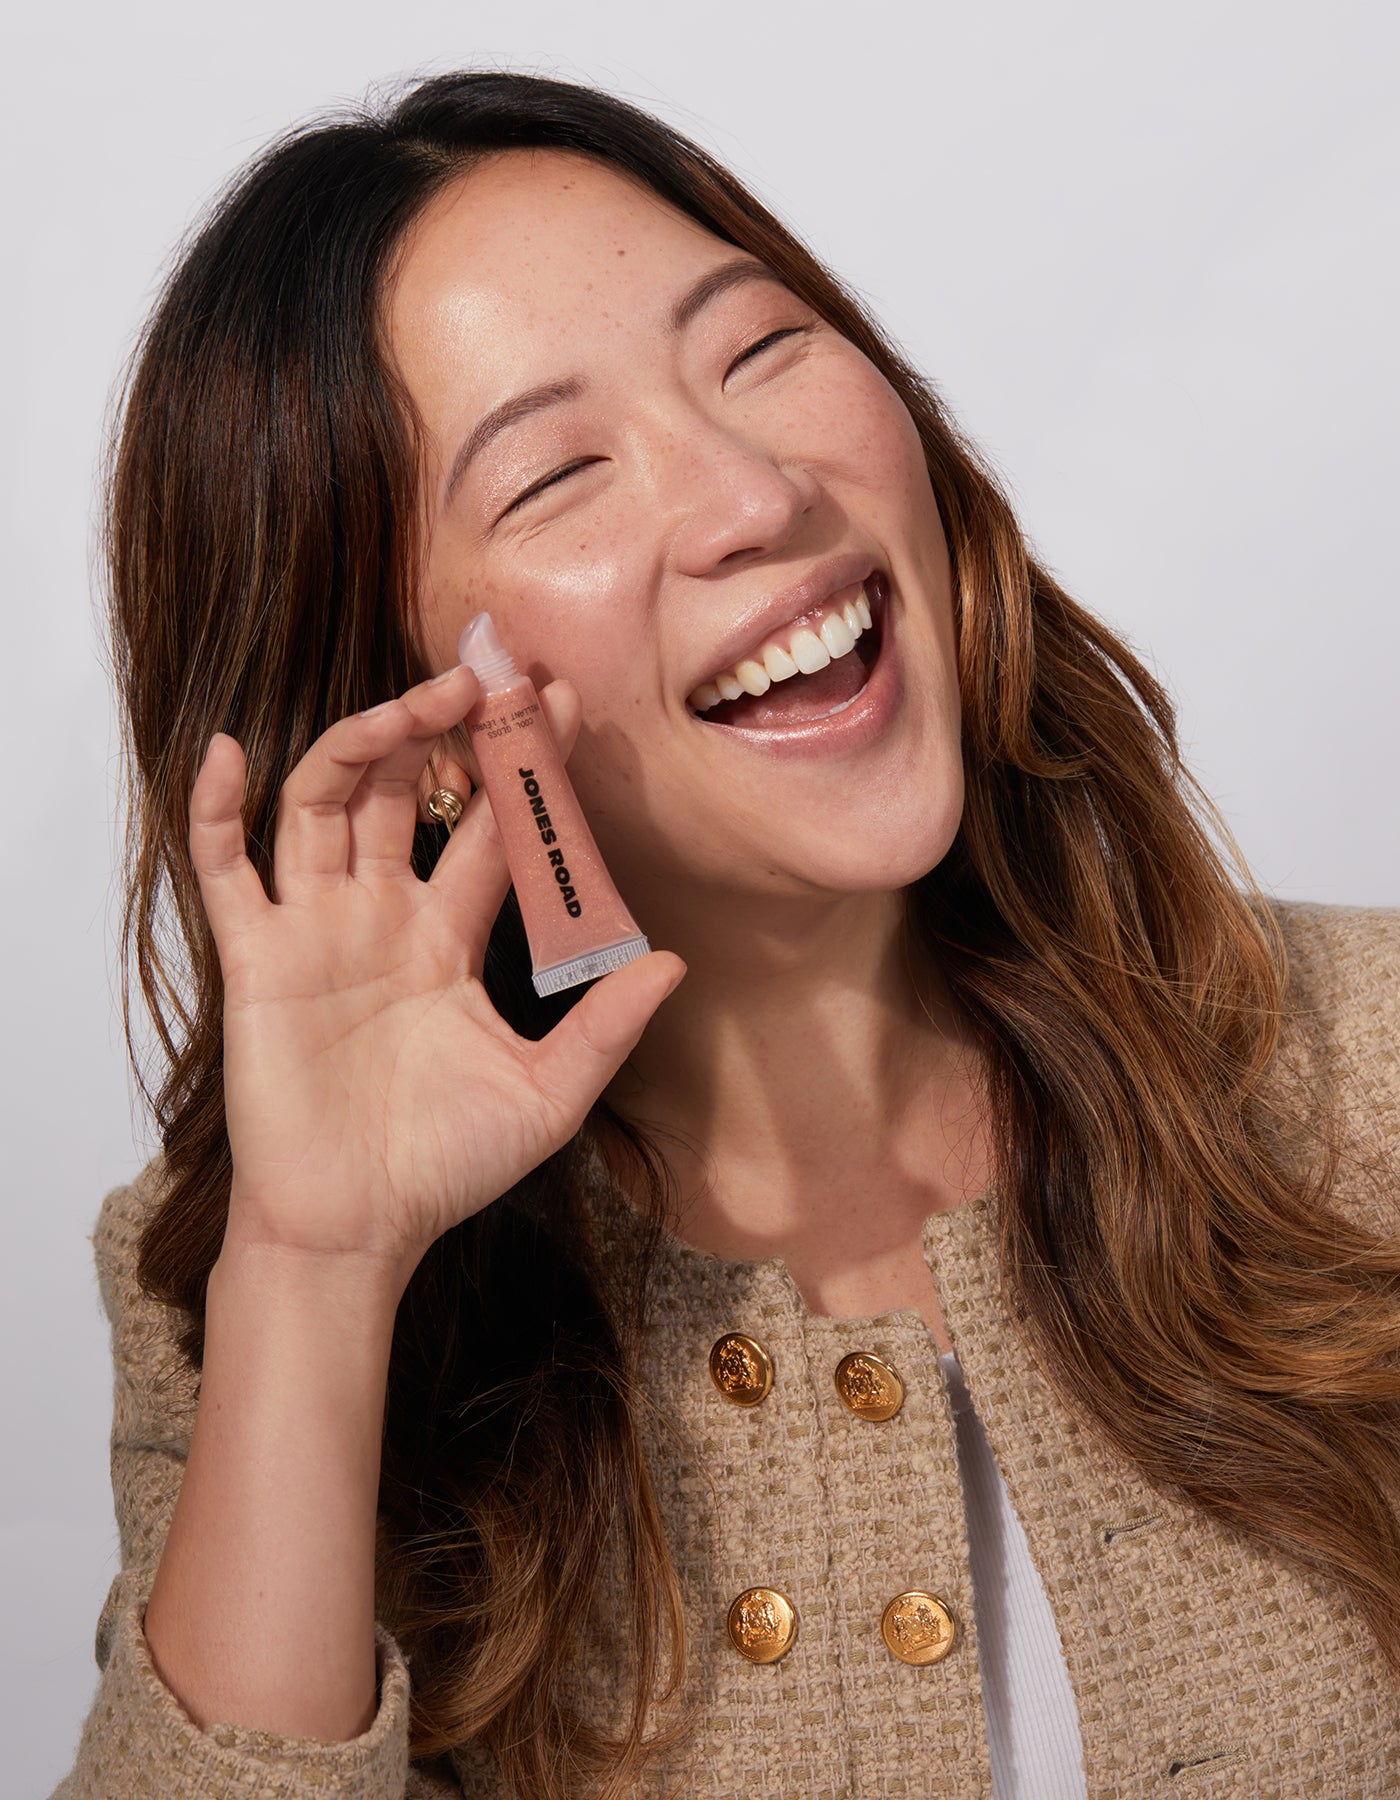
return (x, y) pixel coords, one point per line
(762, 1625)
(918, 1627)
(869, 1387)
(741, 1368)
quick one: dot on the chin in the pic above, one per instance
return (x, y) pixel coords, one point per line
(798, 850)
(876, 856)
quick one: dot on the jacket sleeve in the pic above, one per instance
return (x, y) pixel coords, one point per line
(138, 1739)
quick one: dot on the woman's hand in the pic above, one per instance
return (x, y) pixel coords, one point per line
(374, 1096)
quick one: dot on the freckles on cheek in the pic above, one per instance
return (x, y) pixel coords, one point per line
(865, 429)
(576, 587)
(453, 596)
(891, 451)
(581, 572)
(544, 606)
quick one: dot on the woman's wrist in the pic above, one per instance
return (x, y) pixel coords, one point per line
(372, 1279)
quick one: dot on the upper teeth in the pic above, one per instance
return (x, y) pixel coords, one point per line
(815, 643)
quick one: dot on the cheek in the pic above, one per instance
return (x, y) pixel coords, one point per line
(560, 602)
(861, 431)
(882, 458)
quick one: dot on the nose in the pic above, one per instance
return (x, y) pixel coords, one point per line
(731, 499)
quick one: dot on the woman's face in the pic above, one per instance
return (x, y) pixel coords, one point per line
(700, 471)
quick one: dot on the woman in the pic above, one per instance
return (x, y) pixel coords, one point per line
(591, 1391)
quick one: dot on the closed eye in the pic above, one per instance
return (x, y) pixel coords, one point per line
(548, 481)
(766, 343)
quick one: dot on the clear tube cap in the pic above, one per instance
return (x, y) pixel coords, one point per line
(486, 656)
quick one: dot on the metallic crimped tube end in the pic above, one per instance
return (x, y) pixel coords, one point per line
(589, 968)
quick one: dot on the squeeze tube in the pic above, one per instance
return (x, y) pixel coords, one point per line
(574, 917)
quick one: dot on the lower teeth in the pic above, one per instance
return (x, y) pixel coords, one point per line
(792, 706)
(843, 704)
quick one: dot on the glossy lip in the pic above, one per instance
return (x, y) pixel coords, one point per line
(859, 723)
(787, 607)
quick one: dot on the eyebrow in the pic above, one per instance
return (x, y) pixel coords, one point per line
(553, 393)
(508, 413)
(716, 282)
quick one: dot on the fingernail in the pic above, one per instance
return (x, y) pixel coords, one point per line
(370, 711)
(446, 675)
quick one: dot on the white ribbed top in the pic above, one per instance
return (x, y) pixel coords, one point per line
(1032, 1719)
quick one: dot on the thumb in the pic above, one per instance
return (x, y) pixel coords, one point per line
(577, 1060)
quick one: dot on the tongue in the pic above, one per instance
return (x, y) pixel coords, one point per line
(796, 700)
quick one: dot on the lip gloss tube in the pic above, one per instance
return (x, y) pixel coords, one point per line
(574, 917)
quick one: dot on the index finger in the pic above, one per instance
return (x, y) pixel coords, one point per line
(315, 838)
(229, 885)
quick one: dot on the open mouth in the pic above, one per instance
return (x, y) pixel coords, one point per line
(814, 668)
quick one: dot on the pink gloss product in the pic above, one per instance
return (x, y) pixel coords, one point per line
(574, 917)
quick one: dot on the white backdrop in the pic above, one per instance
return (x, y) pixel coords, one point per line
(1148, 253)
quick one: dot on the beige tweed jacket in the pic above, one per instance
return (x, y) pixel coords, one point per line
(1203, 1668)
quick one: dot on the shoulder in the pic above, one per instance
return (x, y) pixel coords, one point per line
(1343, 965)
(1341, 1032)
(124, 1215)
(116, 1238)
(145, 1331)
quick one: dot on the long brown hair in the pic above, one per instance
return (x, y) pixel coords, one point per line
(1161, 1246)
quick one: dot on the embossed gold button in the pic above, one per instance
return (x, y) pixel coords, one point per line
(741, 1368)
(762, 1625)
(918, 1627)
(869, 1386)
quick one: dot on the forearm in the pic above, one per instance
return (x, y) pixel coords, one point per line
(262, 1612)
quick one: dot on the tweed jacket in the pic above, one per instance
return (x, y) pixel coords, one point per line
(1204, 1668)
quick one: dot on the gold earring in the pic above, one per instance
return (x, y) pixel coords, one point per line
(445, 805)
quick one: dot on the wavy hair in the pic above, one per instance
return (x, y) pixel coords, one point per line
(1177, 1273)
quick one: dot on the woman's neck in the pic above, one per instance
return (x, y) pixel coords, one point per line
(806, 1073)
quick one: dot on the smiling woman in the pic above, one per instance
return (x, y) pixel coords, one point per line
(957, 1330)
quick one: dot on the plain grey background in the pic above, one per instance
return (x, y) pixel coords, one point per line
(1149, 255)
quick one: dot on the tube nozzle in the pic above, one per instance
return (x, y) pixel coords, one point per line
(485, 654)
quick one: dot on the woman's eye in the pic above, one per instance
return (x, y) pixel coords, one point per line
(766, 343)
(548, 481)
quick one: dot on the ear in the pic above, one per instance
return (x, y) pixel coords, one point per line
(452, 765)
